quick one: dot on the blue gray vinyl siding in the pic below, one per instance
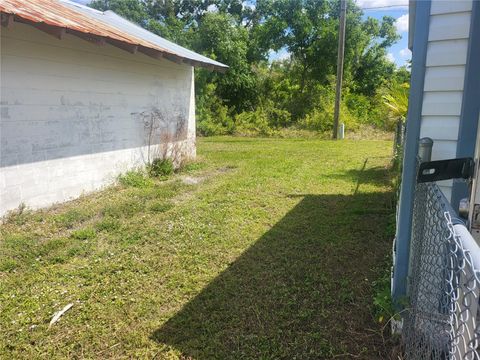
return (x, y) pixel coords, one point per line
(444, 78)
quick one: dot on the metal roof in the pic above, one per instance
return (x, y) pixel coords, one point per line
(59, 16)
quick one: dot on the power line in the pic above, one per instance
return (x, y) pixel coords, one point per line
(383, 7)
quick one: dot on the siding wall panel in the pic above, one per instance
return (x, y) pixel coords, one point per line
(442, 102)
(449, 26)
(440, 127)
(444, 149)
(444, 77)
(448, 52)
(449, 6)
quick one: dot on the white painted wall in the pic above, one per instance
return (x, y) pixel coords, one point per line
(70, 114)
(444, 77)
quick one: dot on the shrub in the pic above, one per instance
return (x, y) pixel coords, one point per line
(161, 168)
(215, 123)
(359, 106)
(317, 120)
(321, 118)
(396, 101)
(134, 178)
(279, 118)
(212, 114)
(253, 123)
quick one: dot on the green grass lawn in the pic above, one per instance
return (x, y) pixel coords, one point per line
(265, 249)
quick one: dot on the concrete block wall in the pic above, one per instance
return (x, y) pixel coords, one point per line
(75, 115)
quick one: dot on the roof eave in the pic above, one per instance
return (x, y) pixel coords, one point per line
(8, 19)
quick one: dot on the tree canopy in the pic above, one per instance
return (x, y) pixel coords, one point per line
(245, 34)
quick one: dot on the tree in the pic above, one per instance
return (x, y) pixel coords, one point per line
(242, 34)
(133, 10)
(219, 38)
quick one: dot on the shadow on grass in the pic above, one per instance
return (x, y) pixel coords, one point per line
(302, 291)
(375, 175)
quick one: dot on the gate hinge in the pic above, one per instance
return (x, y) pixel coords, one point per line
(462, 168)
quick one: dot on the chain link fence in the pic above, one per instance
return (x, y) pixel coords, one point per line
(440, 319)
(398, 143)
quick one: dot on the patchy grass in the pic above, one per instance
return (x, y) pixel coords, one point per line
(273, 255)
(135, 178)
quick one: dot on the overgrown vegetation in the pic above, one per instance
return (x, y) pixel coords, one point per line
(261, 93)
(161, 167)
(135, 178)
(264, 256)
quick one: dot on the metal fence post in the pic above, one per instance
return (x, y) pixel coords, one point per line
(398, 141)
(425, 149)
(341, 131)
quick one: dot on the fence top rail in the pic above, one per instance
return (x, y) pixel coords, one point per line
(469, 245)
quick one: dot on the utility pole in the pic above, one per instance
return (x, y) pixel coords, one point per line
(341, 50)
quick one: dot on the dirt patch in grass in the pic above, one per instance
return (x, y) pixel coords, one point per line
(273, 255)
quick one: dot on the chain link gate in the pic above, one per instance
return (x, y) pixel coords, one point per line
(440, 320)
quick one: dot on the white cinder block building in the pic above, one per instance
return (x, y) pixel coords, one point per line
(85, 96)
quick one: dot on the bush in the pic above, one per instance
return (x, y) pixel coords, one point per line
(359, 106)
(161, 168)
(321, 118)
(276, 117)
(210, 127)
(279, 118)
(253, 123)
(212, 114)
(317, 120)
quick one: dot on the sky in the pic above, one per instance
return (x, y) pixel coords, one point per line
(399, 52)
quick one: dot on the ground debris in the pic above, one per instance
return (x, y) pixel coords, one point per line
(59, 314)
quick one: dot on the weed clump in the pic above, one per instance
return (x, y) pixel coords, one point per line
(161, 168)
(84, 234)
(69, 218)
(125, 208)
(137, 179)
(8, 265)
(160, 207)
(108, 224)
